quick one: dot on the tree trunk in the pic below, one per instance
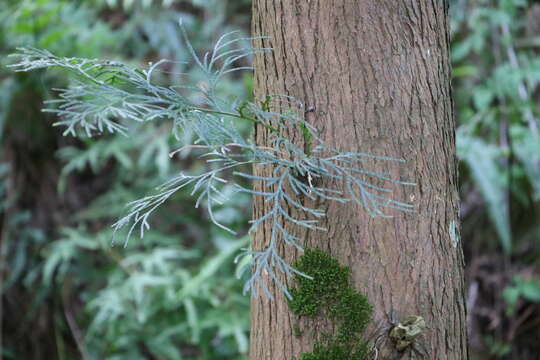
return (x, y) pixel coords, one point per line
(374, 76)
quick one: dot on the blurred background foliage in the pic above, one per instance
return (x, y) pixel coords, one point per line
(70, 291)
(496, 74)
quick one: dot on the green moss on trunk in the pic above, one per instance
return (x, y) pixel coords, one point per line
(331, 294)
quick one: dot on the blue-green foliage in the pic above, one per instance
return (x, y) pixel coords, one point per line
(109, 95)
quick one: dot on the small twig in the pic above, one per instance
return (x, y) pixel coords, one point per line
(238, 116)
(471, 302)
(517, 323)
(72, 324)
(171, 154)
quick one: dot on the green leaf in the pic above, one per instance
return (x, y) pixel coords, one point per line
(211, 267)
(511, 296)
(528, 289)
(193, 319)
(481, 158)
(461, 49)
(527, 149)
(482, 97)
(464, 71)
(531, 290)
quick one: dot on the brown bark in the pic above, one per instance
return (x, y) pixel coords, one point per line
(377, 74)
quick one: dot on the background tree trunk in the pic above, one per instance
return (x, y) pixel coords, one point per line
(377, 75)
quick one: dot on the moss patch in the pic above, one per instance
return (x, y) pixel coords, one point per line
(330, 294)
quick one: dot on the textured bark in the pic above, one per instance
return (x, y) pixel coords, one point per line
(377, 75)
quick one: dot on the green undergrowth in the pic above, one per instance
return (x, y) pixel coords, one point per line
(331, 294)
